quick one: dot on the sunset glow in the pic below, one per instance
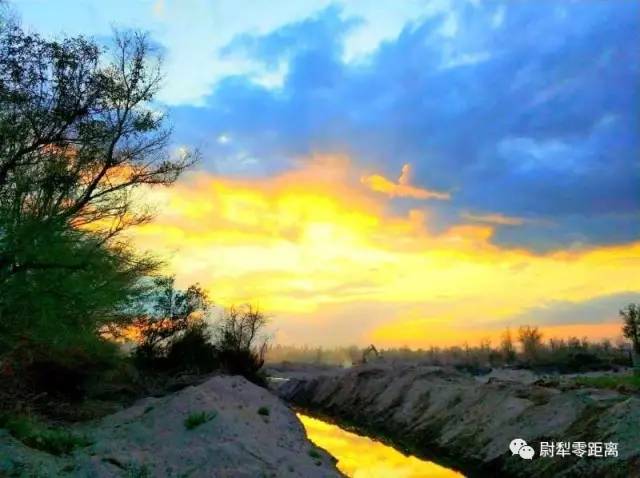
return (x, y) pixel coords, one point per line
(312, 245)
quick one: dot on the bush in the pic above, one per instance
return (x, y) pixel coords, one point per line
(172, 315)
(237, 336)
(56, 336)
(243, 362)
(613, 382)
(264, 411)
(198, 418)
(56, 441)
(193, 350)
(177, 338)
(314, 453)
(60, 372)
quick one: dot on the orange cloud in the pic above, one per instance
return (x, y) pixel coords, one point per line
(313, 244)
(402, 188)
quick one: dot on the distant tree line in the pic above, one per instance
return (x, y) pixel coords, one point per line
(524, 348)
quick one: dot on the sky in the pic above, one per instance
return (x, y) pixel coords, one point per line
(418, 172)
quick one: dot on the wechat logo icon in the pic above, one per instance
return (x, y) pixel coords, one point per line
(519, 447)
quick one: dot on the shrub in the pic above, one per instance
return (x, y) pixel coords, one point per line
(60, 331)
(243, 362)
(60, 372)
(196, 419)
(531, 340)
(192, 350)
(171, 312)
(613, 382)
(507, 348)
(238, 334)
(313, 453)
(264, 411)
(56, 441)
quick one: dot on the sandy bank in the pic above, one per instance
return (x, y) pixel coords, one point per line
(249, 432)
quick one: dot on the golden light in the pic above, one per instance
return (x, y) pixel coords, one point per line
(361, 457)
(308, 242)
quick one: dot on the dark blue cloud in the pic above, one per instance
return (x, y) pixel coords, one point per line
(327, 29)
(530, 109)
(592, 311)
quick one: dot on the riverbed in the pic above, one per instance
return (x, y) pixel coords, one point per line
(361, 457)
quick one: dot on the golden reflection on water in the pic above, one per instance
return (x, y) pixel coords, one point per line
(362, 457)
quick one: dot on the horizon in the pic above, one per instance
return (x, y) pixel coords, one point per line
(425, 175)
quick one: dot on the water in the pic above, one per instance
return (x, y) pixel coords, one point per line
(362, 457)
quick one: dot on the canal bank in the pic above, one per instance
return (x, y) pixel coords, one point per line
(450, 417)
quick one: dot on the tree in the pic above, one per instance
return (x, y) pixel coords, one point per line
(631, 330)
(241, 327)
(241, 342)
(507, 349)
(531, 340)
(79, 133)
(171, 311)
(51, 318)
(77, 136)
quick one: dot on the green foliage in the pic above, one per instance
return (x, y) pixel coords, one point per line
(77, 137)
(247, 363)
(613, 382)
(56, 441)
(313, 453)
(94, 287)
(172, 317)
(196, 419)
(192, 350)
(264, 411)
(77, 131)
(52, 319)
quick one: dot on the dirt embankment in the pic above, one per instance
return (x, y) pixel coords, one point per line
(237, 430)
(456, 419)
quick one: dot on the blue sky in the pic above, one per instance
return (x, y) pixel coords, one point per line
(527, 109)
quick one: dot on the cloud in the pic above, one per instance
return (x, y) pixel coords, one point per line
(535, 120)
(319, 250)
(195, 61)
(402, 188)
(223, 139)
(595, 318)
(597, 310)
